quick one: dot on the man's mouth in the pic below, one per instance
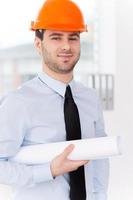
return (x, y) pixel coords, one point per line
(65, 57)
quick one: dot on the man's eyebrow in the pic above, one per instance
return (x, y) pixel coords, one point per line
(75, 34)
(60, 34)
(55, 34)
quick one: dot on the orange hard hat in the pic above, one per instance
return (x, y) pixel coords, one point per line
(63, 15)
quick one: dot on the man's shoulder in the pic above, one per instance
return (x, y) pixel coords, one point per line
(82, 89)
(21, 93)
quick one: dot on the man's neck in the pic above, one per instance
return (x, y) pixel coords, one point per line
(65, 78)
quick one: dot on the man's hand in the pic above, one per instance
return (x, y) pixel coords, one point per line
(61, 164)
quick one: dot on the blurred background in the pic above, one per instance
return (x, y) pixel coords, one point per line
(106, 64)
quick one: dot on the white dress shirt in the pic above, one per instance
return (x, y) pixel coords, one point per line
(33, 114)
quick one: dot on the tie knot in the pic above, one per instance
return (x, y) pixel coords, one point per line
(68, 94)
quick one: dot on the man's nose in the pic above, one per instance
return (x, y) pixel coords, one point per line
(66, 45)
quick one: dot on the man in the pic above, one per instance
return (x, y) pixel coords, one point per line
(38, 113)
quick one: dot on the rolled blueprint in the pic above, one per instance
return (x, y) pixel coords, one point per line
(85, 149)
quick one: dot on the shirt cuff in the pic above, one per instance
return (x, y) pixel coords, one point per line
(100, 196)
(42, 173)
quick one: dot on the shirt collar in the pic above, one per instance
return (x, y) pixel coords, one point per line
(54, 84)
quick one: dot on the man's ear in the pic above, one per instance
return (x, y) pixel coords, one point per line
(37, 43)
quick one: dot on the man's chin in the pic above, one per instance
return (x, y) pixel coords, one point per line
(66, 69)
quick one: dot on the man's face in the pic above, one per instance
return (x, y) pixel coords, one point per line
(60, 50)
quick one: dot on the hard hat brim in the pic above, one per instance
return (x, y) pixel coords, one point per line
(62, 27)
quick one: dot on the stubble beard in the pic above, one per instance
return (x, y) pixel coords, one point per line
(56, 67)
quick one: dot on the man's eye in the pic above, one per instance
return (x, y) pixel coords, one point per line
(55, 38)
(74, 38)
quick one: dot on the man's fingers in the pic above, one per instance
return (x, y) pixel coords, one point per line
(82, 162)
(67, 151)
(79, 162)
(61, 164)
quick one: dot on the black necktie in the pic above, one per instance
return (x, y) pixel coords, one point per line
(73, 132)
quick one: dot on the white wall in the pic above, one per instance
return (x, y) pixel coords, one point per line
(120, 121)
(107, 38)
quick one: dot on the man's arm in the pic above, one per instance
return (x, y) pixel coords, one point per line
(14, 121)
(20, 175)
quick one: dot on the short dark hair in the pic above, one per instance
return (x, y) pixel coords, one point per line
(39, 33)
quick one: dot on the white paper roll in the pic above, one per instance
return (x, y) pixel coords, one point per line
(85, 149)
